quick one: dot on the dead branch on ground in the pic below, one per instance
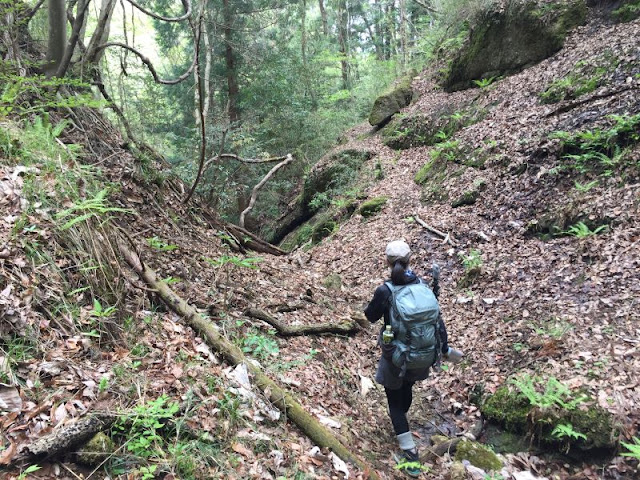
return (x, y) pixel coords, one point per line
(577, 103)
(282, 399)
(244, 238)
(300, 330)
(446, 237)
(450, 445)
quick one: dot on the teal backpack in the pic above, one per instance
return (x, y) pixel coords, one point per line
(414, 322)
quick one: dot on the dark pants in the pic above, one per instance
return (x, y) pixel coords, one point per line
(399, 402)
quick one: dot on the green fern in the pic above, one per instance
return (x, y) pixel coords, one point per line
(92, 207)
(633, 449)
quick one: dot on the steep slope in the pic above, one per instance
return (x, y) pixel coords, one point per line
(558, 305)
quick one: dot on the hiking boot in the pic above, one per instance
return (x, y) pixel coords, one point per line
(409, 462)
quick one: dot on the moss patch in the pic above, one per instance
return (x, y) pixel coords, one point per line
(391, 102)
(478, 455)
(373, 206)
(507, 408)
(334, 177)
(324, 227)
(514, 411)
(96, 450)
(423, 130)
(333, 281)
(630, 10)
(467, 198)
(505, 41)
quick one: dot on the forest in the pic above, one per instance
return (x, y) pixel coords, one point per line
(201, 202)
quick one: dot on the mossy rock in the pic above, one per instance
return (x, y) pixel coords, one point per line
(507, 408)
(419, 129)
(513, 411)
(467, 198)
(333, 281)
(505, 41)
(478, 455)
(504, 442)
(334, 175)
(96, 450)
(392, 101)
(373, 206)
(324, 227)
(627, 11)
(457, 471)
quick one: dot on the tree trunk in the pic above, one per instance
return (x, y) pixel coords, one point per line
(101, 34)
(403, 34)
(343, 42)
(233, 90)
(57, 36)
(325, 21)
(305, 62)
(390, 28)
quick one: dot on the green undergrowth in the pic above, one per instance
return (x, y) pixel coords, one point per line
(584, 77)
(552, 415)
(629, 10)
(601, 151)
(64, 220)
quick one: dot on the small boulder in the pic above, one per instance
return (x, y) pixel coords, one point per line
(478, 455)
(373, 206)
(391, 102)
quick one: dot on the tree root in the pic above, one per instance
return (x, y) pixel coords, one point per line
(318, 433)
(299, 330)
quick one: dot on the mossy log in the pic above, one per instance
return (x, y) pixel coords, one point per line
(282, 399)
(299, 330)
(65, 439)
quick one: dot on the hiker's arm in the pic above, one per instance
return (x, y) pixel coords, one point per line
(444, 339)
(376, 308)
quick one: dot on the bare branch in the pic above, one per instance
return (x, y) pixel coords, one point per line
(149, 65)
(185, 3)
(196, 28)
(254, 192)
(233, 156)
(425, 6)
(33, 11)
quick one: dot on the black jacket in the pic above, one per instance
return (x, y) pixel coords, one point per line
(380, 306)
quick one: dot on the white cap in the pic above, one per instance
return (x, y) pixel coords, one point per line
(398, 250)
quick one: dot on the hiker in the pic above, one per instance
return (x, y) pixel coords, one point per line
(400, 366)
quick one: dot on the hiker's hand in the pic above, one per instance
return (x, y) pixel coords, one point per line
(435, 271)
(453, 355)
(361, 320)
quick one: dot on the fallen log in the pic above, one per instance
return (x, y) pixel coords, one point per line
(243, 237)
(282, 399)
(300, 330)
(66, 438)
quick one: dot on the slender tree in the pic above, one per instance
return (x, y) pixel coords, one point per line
(57, 41)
